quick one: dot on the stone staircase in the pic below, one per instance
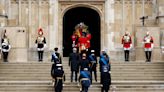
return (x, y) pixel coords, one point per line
(126, 77)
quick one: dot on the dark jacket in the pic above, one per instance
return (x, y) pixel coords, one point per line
(57, 59)
(84, 63)
(74, 61)
(106, 80)
(93, 62)
(106, 60)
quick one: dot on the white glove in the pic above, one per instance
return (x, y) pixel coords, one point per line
(152, 46)
(122, 45)
(131, 46)
(35, 45)
(45, 45)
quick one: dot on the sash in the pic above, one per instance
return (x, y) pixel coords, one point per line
(91, 58)
(84, 74)
(54, 55)
(104, 61)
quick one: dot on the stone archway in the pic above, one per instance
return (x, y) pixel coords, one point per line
(73, 17)
(96, 6)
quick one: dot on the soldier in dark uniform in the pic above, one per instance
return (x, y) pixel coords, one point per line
(74, 63)
(5, 47)
(41, 44)
(106, 81)
(105, 69)
(93, 64)
(85, 79)
(57, 74)
(56, 57)
(84, 62)
(104, 63)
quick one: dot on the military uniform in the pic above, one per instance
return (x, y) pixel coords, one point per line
(57, 73)
(105, 72)
(104, 64)
(5, 47)
(56, 57)
(148, 46)
(84, 79)
(93, 64)
(41, 44)
(127, 44)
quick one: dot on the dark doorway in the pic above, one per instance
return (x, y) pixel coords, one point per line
(73, 17)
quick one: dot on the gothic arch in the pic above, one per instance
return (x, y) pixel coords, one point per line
(96, 6)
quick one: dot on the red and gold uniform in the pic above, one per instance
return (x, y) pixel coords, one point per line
(148, 45)
(148, 42)
(127, 45)
(126, 41)
(82, 43)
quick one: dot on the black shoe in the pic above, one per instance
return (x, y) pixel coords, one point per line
(147, 61)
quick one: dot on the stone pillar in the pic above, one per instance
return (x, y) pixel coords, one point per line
(109, 22)
(39, 13)
(19, 8)
(53, 12)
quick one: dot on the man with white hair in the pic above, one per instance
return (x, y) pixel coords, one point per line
(127, 44)
(148, 46)
(74, 63)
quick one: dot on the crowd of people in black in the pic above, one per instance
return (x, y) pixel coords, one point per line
(85, 64)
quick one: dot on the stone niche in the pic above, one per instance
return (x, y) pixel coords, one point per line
(139, 34)
(18, 41)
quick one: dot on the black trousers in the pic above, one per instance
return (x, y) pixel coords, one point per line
(58, 85)
(95, 74)
(103, 89)
(5, 56)
(148, 55)
(72, 72)
(40, 55)
(126, 53)
(84, 89)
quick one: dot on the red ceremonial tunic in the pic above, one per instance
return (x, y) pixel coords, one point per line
(82, 43)
(148, 40)
(126, 41)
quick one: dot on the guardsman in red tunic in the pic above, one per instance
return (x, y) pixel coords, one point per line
(82, 41)
(148, 45)
(127, 45)
(41, 44)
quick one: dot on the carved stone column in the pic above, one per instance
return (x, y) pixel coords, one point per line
(109, 23)
(53, 12)
(19, 8)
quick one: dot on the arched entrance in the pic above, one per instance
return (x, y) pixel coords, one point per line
(73, 17)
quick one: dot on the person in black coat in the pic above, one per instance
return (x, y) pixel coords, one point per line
(74, 63)
(93, 64)
(84, 62)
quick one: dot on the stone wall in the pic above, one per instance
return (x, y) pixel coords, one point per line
(116, 18)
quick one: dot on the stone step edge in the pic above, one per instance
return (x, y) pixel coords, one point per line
(119, 81)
